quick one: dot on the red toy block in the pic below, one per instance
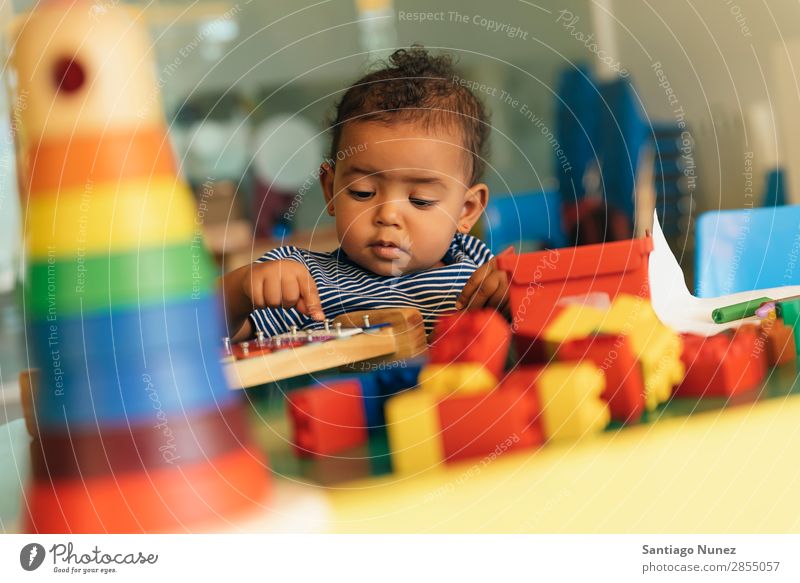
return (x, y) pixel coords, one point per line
(539, 280)
(722, 365)
(749, 346)
(496, 422)
(327, 419)
(483, 337)
(614, 355)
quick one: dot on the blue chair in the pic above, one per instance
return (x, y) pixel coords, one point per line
(747, 249)
(578, 129)
(624, 134)
(527, 221)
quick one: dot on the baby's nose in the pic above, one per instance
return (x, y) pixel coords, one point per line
(387, 214)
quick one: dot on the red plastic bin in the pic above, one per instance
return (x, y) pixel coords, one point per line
(537, 281)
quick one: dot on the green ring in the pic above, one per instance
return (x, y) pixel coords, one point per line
(140, 277)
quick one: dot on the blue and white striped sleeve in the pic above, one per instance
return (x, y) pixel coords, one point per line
(475, 249)
(281, 253)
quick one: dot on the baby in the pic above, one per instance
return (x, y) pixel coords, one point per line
(402, 182)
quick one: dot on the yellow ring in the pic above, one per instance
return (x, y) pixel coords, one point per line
(110, 217)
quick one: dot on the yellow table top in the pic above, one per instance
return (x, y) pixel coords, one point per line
(735, 470)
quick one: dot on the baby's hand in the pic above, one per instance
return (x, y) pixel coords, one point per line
(283, 284)
(488, 286)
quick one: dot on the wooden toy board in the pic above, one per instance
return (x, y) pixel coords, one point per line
(290, 355)
(706, 465)
(372, 337)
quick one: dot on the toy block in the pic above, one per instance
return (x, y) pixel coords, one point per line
(708, 372)
(327, 419)
(378, 386)
(570, 399)
(748, 345)
(490, 423)
(538, 280)
(412, 426)
(657, 348)
(614, 355)
(372, 401)
(393, 379)
(530, 350)
(779, 340)
(346, 466)
(571, 322)
(408, 327)
(482, 336)
(522, 378)
(464, 378)
(722, 365)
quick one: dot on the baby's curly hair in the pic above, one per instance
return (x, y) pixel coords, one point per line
(416, 86)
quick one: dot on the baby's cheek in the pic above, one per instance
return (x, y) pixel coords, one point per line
(431, 247)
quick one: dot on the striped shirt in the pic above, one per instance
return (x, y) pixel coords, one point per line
(345, 286)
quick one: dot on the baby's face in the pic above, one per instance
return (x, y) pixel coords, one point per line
(399, 194)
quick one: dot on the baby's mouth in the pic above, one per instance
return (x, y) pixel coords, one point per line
(386, 250)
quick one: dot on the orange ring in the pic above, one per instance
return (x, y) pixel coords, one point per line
(109, 157)
(178, 499)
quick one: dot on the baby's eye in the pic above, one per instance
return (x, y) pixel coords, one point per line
(421, 202)
(361, 194)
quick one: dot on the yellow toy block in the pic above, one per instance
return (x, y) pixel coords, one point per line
(412, 425)
(657, 347)
(463, 378)
(573, 322)
(569, 395)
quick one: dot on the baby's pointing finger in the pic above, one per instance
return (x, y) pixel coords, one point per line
(310, 296)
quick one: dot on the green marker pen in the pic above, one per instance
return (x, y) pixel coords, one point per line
(738, 311)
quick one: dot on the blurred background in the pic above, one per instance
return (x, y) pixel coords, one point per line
(602, 111)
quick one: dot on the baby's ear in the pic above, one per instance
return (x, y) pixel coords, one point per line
(326, 182)
(475, 200)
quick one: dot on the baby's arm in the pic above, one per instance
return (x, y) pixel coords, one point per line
(272, 284)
